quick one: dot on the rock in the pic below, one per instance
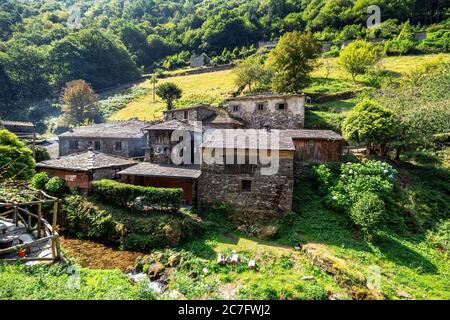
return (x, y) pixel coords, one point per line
(297, 248)
(164, 279)
(174, 259)
(155, 270)
(252, 264)
(308, 278)
(403, 294)
(159, 257)
(268, 232)
(205, 270)
(221, 259)
(235, 259)
(176, 295)
(129, 269)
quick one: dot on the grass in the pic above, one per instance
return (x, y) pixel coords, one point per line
(214, 87)
(210, 88)
(66, 282)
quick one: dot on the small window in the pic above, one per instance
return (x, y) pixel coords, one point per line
(235, 108)
(260, 106)
(172, 115)
(73, 144)
(246, 185)
(97, 145)
(281, 106)
(186, 114)
(118, 145)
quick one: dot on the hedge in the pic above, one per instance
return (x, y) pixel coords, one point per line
(138, 197)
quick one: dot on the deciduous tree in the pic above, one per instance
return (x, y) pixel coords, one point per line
(79, 103)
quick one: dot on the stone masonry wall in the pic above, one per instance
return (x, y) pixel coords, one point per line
(130, 147)
(270, 196)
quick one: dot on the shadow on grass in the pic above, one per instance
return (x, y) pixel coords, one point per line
(400, 254)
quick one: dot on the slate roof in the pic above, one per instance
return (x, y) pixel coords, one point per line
(265, 96)
(223, 118)
(199, 106)
(85, 161)
(257, 138)
(16, 123)
(174, 124)
(114, 129)
(147, 169)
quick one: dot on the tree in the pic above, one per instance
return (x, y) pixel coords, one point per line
(421, 107)
(16, 160)
(292, 61)
(370, 123)
(169, 92)
(79, 103)
(249, 72)
(358, 57)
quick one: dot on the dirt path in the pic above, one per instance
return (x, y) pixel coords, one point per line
(96, 255)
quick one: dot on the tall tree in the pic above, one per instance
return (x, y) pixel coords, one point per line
(169, 92)
(250, 72)
(79, 103)
(292, 61)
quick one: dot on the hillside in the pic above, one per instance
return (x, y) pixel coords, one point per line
(216, 86)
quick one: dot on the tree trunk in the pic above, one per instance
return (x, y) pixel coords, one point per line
(397, 153)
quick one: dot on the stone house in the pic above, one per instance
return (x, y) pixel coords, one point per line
(269, 111)
(121, 138)
(244, 186)
(80, 169)
(199, 61)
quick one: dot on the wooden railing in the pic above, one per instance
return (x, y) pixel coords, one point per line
(45, 231)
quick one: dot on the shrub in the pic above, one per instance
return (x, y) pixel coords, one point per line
(138, 197)
(41, 154)
(56, 186)
(367, 212)
(39, 180)
(86, 220)
(138, 241)
(16, 160)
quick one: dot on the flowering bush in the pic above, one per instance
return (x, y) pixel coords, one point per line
(356, 183)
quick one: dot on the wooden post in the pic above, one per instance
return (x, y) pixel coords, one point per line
(55, 242)
(34, 141)
(16, 214)
(39, 222)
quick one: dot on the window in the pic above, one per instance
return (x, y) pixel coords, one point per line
(186, 114)
(235, 108)
(73, 144)
(260, 106)
(281, 106)
(172, 115)
(246, 185)
(97, 145)
(118, 145)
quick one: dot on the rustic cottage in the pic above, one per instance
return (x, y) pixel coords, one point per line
(121, 138)
(80, 169)
(269, 111)
(261, 187)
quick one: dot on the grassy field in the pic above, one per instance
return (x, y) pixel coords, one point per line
(214, 87)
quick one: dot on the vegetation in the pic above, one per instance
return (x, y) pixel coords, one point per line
(169, 92)
(16, 160)
(79, 103)
(39, 180)
(292, 61)
(369, 123)
(358, 57)
(250, 72)
(131, 196)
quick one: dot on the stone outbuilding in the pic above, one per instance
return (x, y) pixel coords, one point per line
(199, 61)
(80, 169)
(121, 138)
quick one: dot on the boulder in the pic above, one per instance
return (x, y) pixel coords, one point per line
(252, 264)
(235, 259)
(221, 259)
(308, 278)
(268, 232)
(155, 270)
(404, 294)
(174, 259)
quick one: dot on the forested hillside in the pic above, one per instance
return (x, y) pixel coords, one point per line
(44, 44)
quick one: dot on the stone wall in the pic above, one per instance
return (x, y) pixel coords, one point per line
(292, 117)
(269, 197)
(193, 114)
(130, 147)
